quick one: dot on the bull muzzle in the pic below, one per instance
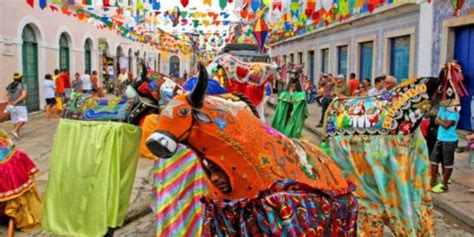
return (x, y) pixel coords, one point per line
(162, 145)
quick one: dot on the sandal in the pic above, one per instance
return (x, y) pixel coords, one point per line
(15, 135)
(439, 188)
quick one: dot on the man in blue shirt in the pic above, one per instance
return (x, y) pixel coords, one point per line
(447, 141)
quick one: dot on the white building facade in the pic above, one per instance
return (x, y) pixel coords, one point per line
(36, 42)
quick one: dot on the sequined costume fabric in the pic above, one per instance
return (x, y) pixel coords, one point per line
(392, 176)
(287, 208)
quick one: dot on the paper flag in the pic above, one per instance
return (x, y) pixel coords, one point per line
(207, 2)
(184, 3)
(255, 5)
(140, 5)
(30, 2)
(156, 5)
(42, 4)
(222, 4)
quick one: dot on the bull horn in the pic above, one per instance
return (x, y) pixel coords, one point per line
(196, 97)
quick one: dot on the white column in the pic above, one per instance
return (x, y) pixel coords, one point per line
(425, 41)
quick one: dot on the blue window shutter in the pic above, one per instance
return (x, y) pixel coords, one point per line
(400, 57)
(366, 54)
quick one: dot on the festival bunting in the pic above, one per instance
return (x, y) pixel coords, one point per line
(255, 4)
(277, 5)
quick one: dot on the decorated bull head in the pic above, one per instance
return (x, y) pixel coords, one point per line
(177, 118)
(143, 97)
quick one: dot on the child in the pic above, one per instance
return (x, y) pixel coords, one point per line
(446, 143)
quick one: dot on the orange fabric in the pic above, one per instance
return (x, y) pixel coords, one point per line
(252, 154)
(148, 127)
(59, 84)
(353, 85)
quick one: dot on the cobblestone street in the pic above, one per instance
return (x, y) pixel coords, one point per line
(37, 140)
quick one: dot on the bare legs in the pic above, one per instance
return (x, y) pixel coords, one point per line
(17, 127)
(11, 228)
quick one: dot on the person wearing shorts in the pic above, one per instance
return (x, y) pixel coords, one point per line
(446, 144)
(50, 96)
(16, 94)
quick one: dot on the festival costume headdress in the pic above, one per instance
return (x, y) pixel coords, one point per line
(451, 88)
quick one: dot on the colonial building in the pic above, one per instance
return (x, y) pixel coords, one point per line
(405, 40)
(36, 42)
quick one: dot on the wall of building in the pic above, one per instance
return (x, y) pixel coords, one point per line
(443, 10)
(376, 26)
(48, 27)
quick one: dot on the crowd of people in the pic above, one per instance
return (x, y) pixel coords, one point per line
(330, 87)
(58, 89)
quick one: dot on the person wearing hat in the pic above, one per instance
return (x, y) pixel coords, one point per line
(446, 143)
(340, 89)
(17, 92)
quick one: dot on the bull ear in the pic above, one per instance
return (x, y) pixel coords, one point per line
(196, 97)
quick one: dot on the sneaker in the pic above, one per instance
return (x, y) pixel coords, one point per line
(439, 188)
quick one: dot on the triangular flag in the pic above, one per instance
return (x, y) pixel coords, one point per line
(255, 5)
(42, 4)
(30, 2)
(207, 2)
(140, 5)
(222, 4)
(184, 3)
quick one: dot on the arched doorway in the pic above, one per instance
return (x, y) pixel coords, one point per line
(130, 60)
(64, 62)
(30, 67)
(88, 55)
(174, 66)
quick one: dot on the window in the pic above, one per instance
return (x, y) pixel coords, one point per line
(311, 65)
(400, 57)
(292, 58)
(284, 59)
(88, 56)
(300, 58)
(63, 53)
(366, 56)
(342, 60)
(325, 60)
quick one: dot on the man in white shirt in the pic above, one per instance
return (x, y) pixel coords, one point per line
(378, 88)
(86, 83)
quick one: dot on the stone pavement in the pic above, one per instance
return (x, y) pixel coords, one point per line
(37, 139)
(455, 202)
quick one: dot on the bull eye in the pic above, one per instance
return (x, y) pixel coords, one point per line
(184, 112)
